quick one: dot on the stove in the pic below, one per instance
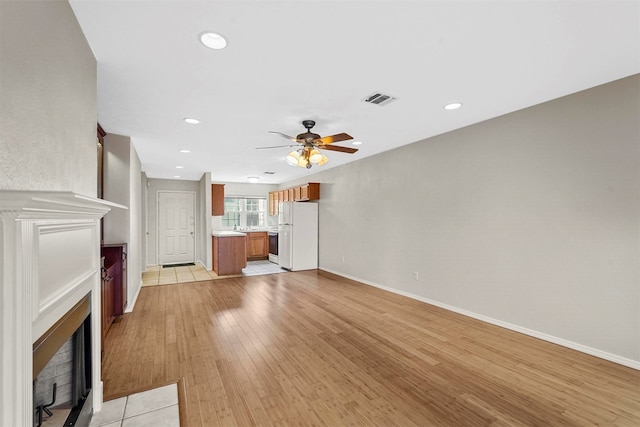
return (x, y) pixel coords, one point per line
(273, 246)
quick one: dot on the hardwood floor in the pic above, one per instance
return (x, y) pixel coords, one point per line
(312, 348)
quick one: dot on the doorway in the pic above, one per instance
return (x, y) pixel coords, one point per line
(176, 227)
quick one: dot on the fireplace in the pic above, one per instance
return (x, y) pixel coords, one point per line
(49, 292)
(62, 370)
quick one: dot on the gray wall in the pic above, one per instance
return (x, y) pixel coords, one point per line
(530, 220)
(48, 100)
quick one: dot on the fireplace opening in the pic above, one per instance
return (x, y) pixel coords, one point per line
(62, 371)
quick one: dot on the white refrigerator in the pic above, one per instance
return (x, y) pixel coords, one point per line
(298, 235)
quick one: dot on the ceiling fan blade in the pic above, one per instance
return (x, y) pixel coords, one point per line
(334, 138)
(275, 146)
(283, 135)
(338, 148)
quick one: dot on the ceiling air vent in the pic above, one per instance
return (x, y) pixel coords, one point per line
(379, 98)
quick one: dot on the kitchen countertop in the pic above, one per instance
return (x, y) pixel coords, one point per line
(227, 234)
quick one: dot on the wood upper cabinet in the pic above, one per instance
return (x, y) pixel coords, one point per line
(273, 203)
(311, 191)
(303, 193)
(257, 245)
(217, 199)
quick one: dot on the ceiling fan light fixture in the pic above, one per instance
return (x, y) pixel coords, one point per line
(293, 158)
(315, 156)
(303, 162)
(323, 160)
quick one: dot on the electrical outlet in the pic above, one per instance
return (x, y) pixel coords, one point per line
(415, 275)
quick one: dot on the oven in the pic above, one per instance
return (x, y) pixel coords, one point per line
(273, 246)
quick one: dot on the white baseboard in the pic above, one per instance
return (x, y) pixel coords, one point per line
(132, 304)
(545, 337)
(98, 396)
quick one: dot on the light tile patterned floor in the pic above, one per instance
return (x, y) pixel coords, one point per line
(156, 407)
(157, 275)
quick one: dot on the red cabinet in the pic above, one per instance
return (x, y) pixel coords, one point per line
(107, 272)
(116, 255)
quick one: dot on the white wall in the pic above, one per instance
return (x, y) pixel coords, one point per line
(135, 261)
(204, 215)
(117, 188)
(48, 100)
(529, 220)
(144, 227)
(47, 143)
(122, 185)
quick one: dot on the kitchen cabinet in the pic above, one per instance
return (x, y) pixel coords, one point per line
(310, 191)
(303, 193)
(273, 203)
(217, 199)
(229, 252)
(107, 316)
(116, 255)
(257, 245)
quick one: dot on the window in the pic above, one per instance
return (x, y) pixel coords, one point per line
(244, 212)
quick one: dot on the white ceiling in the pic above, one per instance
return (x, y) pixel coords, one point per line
(292, 60)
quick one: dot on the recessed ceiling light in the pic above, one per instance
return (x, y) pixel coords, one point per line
(191, 121)
(179, 167)
(253, 179)
(212, 40)
(185, 151)
(453, 106)
(176, 176)
(356, 143)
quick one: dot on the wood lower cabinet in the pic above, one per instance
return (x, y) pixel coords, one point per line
(107, 272)
(116, 255)
(229, 254)
(257, 245)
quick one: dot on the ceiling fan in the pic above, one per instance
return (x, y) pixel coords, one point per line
(308, 154)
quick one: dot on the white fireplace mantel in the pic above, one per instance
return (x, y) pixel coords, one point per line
(49, 260)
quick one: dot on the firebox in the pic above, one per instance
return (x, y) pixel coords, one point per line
(62, 394)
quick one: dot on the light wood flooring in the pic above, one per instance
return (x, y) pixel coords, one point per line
(312, 348)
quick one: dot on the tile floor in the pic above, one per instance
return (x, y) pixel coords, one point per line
(157, 275)
(156, 407)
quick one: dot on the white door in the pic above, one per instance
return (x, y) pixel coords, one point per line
(176, 227)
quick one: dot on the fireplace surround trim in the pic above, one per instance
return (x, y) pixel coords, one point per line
(24, 217)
